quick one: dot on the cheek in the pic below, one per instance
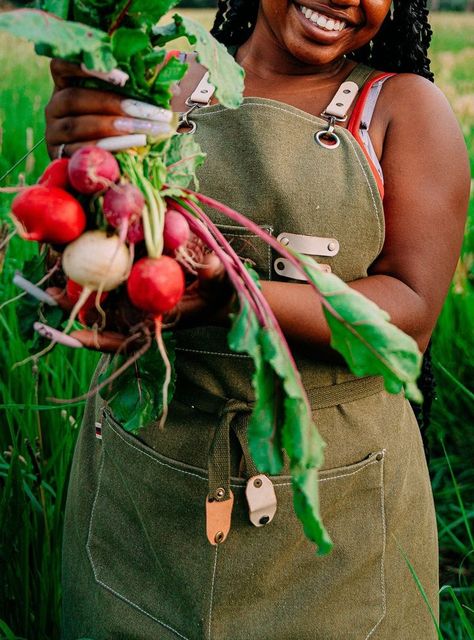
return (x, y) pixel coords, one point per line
(376, 11)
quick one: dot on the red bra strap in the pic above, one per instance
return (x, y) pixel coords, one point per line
(353, 126)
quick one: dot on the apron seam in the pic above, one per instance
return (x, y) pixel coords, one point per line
(309, 118)
(384, 542)
(103, 584)
(213, 353)
(376, 208)
(212, 592)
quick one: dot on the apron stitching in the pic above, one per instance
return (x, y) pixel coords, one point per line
(316, 121)
(204, 479)
(371, 192)
(106, 586)
(212, 592)
(164, 464)
(213, 353)
(351, 473)
(384, 540)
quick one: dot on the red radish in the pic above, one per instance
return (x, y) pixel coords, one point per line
(156, 285)
(56, 174)
(48, 214)
(92, 169)
(73, 292)
(123, 205)
(176, 231)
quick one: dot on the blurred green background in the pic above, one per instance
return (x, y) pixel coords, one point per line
(37, 437)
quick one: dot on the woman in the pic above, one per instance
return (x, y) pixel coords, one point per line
(137, 563)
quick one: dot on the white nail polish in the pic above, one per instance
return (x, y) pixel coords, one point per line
(136, 125)
(57, 336)
(116, 76)
(137, 109)
(33, 290)
(119, 143)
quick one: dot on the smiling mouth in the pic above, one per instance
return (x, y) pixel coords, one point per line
(319, 19)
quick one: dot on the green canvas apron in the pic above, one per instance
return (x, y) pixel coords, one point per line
(137, 563)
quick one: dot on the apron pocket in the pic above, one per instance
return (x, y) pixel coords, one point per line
(147, 543)
(285, 592)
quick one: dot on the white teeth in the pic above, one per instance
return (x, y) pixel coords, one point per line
(324, 22)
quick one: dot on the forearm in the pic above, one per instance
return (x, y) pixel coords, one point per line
(300, 313)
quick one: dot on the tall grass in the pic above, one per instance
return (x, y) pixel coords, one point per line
(37, 437)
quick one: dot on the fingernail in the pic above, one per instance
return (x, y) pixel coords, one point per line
(138, 109)
(56, 336)
(116, 76)
(148, 127)
(118, 143)
(33, 290)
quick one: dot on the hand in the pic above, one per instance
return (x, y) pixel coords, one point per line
(207, 301)
(76, 116)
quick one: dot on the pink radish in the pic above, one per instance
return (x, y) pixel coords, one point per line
(92, 169)
(56, 174)
(123, 205)
(48, 214)
(156, 285)
(176, 231)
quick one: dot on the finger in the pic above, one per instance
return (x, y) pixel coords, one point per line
(109, 341)
(65, 74)
(79, 101)
(94, 127)
(214, 284)
(60, 296)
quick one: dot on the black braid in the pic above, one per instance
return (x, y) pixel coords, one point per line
(401, 45)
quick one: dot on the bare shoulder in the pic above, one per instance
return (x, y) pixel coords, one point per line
(421, 128)
(189, 83)
(408, 97)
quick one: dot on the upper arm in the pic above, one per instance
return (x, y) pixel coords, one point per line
(426, 174)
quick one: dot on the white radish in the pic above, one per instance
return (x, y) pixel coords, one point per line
(98, 263)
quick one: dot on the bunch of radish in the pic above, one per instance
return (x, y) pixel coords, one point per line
(90, 208)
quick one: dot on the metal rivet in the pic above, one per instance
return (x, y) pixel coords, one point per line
(220, 493)
(257, 483)
(339, 104)
(331, 246)
(219, 537)
(264, 520)
(280, 266)
(204, 91)
(379, 456)
(346, 91)
(284, 241)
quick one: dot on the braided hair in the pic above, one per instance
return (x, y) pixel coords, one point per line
(401, 45)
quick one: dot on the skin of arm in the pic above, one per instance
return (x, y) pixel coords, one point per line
(426, 173)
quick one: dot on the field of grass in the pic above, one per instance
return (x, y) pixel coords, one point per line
(37, 437)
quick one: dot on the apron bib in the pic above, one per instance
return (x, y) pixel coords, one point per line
(137, 563)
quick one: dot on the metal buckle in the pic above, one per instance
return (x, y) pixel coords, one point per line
(184, 118)
(323, 137)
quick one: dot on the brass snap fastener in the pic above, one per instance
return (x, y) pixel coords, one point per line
(379, 456)
(220, 493)
(257, 483)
